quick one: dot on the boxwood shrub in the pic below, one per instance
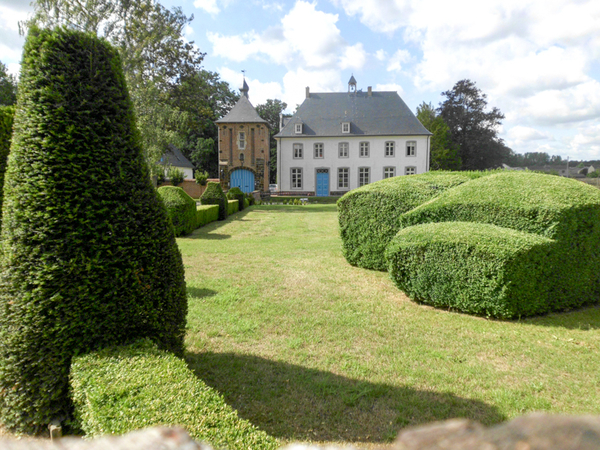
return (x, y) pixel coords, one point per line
(557, 208)
(89, 257)
(214, 195)
(117, 390)
(236, 193)
(207, 214)
(232, 206)
(473, 267)
(369, 216)
(181, 209)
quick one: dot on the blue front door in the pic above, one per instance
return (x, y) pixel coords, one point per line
(242, 178)
(322, 182)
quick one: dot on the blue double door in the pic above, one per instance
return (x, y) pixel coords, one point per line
(322, 183)
(242, 178)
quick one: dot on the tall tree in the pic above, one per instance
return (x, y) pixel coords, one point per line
(271, 111)
(473, 129)
(444, 152)
(8, 87)
(156, 57)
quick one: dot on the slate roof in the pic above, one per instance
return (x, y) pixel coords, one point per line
(242, 112)
(175, 158)
(378, 114)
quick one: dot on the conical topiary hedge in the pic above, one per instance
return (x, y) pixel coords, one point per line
(214, 195)
(6, 124)
(89, 259)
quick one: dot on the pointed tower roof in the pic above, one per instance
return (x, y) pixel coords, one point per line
(243, 111)
(352, 80)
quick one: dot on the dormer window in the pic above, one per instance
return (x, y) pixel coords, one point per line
(345, 127)
(298, 128)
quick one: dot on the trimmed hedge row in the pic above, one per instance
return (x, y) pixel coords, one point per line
(474, 268)
(232, 207)
(7, 114)
(89, 257)
(213, 195)
(207, 214)
(181, 208)
(236, 193)
(558, 208)
(369, 216)
(122, 389)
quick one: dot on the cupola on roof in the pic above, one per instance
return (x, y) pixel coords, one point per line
(243, 111)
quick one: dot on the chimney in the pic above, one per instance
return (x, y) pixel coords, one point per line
(370, 91)
(307, 92)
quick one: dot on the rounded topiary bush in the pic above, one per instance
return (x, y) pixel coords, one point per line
(235, 193)
(181, 208)
(89, 257)
(214, 195)
(369, 216)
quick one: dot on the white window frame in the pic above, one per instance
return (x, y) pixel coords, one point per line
(346, 147)
(364, 150)
(318, 150)
(411, 148)
(390, 149)
(346, 172)
(389, 172)
(410, 170)
(346, 127)
(296, 178)
(364, 172)
(298, 150)
(298, 128)
(242, 140)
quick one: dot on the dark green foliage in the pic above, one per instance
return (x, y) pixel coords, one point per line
(251, 200)
(233, 206)
(236, 193)
(561, 209)
(201, 177)
(175, 175)
(89, 256)
(474, 268)
(181, 208)
(206, 214)
(369, 216)
(214, 195)
(123, 389)
(7, 114)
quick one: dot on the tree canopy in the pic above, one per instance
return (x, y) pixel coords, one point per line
(8, 87)
(472, 128)
(271, 111)
(444, 152)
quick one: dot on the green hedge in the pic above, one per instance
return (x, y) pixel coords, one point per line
(207, 214)
(181, 208)
(232, 207)
(89, 257)
(123, 389)
(554, 207)
(214, 195)
(7, 114)
(474, 268)
(369, 216)
(236, 193)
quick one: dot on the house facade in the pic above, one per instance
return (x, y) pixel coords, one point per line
(336, 142)
(244, 147)
(174, 158)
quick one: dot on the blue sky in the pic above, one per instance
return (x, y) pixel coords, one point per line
(538, 60)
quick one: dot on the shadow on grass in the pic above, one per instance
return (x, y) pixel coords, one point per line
(199, 292)
(581, 319)
(296, 403)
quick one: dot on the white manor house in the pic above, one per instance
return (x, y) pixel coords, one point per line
(336, 142)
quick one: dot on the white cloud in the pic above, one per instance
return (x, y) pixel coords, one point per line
(210, 6)
(381, 55)
(396, 61)
(524, 134)
(380, 15)
(354, 57)
(258, 92)
(390, 87)
(586, 143)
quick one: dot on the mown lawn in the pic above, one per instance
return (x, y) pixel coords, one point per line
(309, 348)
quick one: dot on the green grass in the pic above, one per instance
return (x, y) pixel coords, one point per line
(307, 347)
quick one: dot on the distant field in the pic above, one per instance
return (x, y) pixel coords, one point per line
(310, 348)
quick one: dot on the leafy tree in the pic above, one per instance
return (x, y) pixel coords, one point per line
(444, 153)
(8, 87)
(156, 58)
(270, 111)
(472, 128)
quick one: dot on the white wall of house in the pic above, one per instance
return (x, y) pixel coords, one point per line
(188, 174)
(376, 161)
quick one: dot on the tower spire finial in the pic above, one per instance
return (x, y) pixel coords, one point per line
(244, 90)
